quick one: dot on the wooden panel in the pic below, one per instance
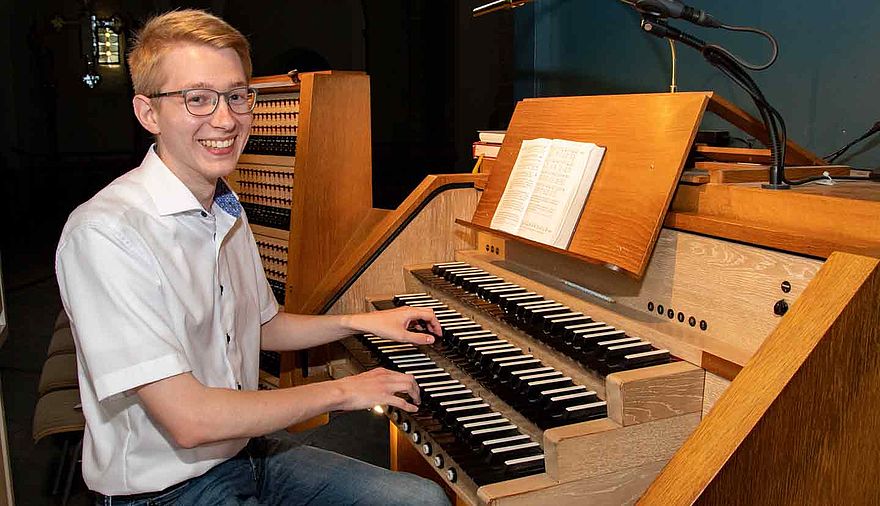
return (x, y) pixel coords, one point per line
(431, 235)
(333, 185)
(812, 220)
(436, 238)
(739, 173)
(613, 489)
(714, 387)
(733, 155)
(653, 393)
(634, 185)
(576, 451)
(751, 125)
(798, 424)
(405, 457)
(717, 365)
(732, 287)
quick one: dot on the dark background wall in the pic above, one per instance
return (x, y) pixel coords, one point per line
(824, 82)
(437, 76)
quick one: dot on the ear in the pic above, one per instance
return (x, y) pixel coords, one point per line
(146, 113)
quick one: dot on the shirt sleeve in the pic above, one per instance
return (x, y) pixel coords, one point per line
(110, 288)
(268, 302)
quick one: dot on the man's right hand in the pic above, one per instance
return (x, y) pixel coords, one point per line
(378, 387)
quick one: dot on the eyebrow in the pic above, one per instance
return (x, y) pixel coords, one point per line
(204, 85)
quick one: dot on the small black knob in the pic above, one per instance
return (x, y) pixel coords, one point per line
(786, 287)
(780, 308)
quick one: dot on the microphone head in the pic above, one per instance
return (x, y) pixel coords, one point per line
(660, 8)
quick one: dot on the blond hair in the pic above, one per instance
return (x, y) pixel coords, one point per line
(162, 32)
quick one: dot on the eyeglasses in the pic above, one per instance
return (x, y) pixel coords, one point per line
(203, 102)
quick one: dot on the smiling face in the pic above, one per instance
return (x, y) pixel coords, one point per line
(198, 149)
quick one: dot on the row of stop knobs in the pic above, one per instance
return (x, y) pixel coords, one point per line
(416, 437)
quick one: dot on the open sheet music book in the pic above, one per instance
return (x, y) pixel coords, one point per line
(547, 189)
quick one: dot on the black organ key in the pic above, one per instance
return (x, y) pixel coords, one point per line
(448, 413)
(492, 294)
(535, 315)
(449, 330)
(607, 341)
(646, 358)
(475, 352)
(618, 351)
(506, 301)
(472, 284)
(483, 291)
(496, 363)
(520, 383)
(568, 331)
(523, 310)
(452, 319)
(524, 466)
(439, 268)
(401, 299)
(430, 377)
(476, 436)
(485, 357)
(557, 321)
(428, 305)
(460, 279)
(455, 337)
(534, 387)
(500, 442)
(502, 454)
(452, 274)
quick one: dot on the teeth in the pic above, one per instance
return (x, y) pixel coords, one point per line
(217, 144)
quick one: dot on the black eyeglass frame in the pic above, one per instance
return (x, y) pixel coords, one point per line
(219, 94)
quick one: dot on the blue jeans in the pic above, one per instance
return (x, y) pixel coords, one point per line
(274, 471)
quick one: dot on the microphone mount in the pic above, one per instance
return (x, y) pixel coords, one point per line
(654, 14)
(497, 5)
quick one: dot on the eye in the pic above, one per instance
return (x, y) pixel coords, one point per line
(198, 98)
(238, 96)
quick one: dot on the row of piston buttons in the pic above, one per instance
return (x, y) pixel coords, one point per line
(672, 315)
(427, 449)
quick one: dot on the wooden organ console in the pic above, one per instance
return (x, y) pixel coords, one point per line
(698, 341)
(298, 119)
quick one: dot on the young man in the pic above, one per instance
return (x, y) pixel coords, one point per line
(170, 308)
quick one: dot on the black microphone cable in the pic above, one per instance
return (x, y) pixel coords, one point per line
(835, 155)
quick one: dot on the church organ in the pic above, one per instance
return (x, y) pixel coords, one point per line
(700, 368)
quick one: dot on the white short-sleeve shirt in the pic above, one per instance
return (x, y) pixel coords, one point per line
(155, 287)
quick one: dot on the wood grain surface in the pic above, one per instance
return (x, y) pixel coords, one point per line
(723, 108)
(799, 423)
(634, 185)
(732, 287)
(430, 236)
(653, 393)
(810, 220)
(333, 184)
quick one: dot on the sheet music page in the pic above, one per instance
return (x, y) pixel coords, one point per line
(572, 215)
(520, 185)
(555, 190)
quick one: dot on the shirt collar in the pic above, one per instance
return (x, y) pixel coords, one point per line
(226, 199)
(171, 196)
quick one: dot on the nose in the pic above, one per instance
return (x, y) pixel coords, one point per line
(223, 117)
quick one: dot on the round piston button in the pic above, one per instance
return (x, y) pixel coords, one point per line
(451, 474)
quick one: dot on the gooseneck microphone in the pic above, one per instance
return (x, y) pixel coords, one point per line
(677, 10)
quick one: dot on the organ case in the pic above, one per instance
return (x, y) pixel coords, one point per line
(756, 327)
